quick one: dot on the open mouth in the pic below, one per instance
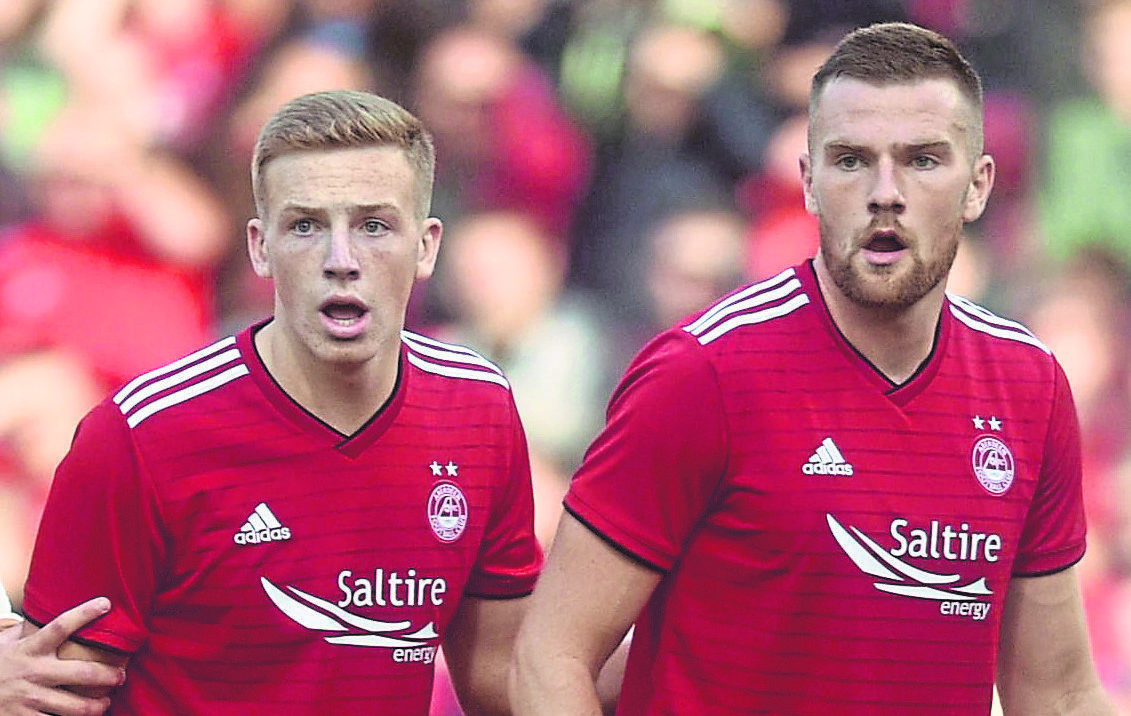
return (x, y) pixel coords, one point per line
(885, 242)
(344, 312)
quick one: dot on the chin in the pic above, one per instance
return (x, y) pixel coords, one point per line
(354, 351)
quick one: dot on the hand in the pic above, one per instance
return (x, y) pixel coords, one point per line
(32, 677)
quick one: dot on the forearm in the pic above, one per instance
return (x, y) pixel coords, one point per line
(1089, 701)
(1044, 660)
(484, 691)
(545, 685)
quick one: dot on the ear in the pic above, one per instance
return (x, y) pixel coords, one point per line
(978, 192)
(428, 247)
(806, 166)
(257, 248)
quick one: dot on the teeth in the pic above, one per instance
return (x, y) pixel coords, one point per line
(342, 312)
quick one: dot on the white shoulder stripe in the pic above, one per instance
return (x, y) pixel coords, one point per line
(774, 297)
(985, 321)
(454, 372)
(747, 319)
(726, 306)
(186, 393)
(997, 331)
(447, 351)
(176, 365)
(180, 377)
(418, 339)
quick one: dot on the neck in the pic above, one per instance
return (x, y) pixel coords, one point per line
(343, 395)
(895, 340)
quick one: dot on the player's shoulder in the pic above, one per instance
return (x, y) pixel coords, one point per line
(757, 311)
(995, 332)
(451, 366)
(181, 384)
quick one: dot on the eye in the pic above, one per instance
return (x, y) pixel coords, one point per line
(924, 161)
(303, 227)
(848, 162)
(373, 226)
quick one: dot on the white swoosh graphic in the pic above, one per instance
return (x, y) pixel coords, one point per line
(315, 620)
(920, 591)
(865, 557)
(861, 557)
(371, 625)
(371, 640)
(298, 611)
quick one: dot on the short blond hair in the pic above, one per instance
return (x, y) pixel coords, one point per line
(341, 119)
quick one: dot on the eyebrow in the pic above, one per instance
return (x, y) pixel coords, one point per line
(297, 208)
(937, 146)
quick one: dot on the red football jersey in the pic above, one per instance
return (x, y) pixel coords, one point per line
(261, 562)
(831, 543)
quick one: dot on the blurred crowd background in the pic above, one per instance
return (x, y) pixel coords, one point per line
(604, 168)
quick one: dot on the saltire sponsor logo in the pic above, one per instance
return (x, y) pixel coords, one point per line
(345, 628)
(898, 577)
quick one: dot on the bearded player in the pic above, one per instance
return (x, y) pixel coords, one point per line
(841, 490)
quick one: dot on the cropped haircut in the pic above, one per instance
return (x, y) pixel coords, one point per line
(899, 52)
(343, 119)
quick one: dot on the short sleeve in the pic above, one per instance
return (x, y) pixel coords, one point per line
(1054, 534)
(99, 536)
(650, 475)
(510, 557)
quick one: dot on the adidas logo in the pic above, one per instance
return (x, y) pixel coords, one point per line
(262, 526)
(827, 460)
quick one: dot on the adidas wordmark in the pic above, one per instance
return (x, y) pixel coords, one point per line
(827, 460)
(262, 526)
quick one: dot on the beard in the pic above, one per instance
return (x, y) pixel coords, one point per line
(887, 287)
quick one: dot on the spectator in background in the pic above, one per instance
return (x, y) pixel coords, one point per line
(694, 257)
(781, 232)
(1085, 182)
(122, 237)
(109, 276)
(652, 168)
(503, 140)
(1084, 314)
(170, 65)
(504, 279)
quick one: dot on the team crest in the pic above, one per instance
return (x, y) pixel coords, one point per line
(447, 512)
(993, 464)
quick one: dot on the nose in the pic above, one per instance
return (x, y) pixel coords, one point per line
(341, 258)
(886, 194)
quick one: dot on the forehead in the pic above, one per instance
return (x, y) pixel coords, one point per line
(341, 177)
(854, 112)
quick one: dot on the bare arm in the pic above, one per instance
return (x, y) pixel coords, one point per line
(478, 646)
(1044, 663)
(586, 599)
(33, 677)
